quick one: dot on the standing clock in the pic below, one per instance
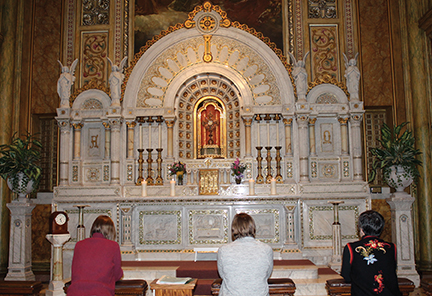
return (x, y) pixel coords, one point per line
(59, 223)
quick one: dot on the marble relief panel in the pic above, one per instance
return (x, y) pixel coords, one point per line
(160, 227)
(327, 138)
(94, 143)
(90, 215)
(267, 224)
(208, 226)
(319, 217)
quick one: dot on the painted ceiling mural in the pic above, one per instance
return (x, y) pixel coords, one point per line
(153, 16)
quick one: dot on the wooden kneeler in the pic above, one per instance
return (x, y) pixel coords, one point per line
(125, 287)
(24, 288)
(277, 287)
(338, 287)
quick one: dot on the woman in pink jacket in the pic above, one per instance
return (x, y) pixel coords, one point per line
(96, 264)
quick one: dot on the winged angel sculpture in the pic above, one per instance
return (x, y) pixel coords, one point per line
(115, 81)
(65, 82)
(352, 75)
(300, 75)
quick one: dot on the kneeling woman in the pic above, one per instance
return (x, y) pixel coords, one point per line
(96, 264)
(246, 264)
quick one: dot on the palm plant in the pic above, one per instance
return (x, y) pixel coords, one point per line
(397, 150)
(21, 157)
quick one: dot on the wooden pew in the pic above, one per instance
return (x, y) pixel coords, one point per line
(277, 287)
(338, 287)
(23, 288)
(426, 284)
(125, 287)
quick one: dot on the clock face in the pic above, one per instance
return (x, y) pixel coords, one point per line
(60, 219)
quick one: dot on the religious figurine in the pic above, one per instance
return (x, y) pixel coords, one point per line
(352, 75)
(115, 81)
(65, 82)
(300, 76)
(210, 124)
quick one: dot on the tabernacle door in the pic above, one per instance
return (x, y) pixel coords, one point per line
(208, 181)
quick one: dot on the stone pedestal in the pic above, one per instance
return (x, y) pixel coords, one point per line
(336, 261)
(20, 242)
(403, 235)
(55, 287)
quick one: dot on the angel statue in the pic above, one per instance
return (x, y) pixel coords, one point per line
(352, 75)
(65, 82)
(115, 81)
(300, 76)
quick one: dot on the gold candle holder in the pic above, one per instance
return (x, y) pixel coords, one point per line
(149, 179)
(159, 179)
(269, 176)
(278, 159)
(259, 178)
(140, 167)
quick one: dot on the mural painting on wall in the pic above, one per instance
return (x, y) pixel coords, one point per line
(153, 16)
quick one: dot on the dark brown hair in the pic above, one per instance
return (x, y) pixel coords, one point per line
(104, 225)
(243, 225)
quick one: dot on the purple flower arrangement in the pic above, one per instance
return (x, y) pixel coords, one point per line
(177, 167)
(237, 169)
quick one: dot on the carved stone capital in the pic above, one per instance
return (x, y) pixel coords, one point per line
(131, 124)
(287, 121)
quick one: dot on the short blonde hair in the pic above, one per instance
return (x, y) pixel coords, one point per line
(104, 225)
(243, 225)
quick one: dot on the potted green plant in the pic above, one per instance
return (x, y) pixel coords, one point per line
(396, 158)
(19, 164)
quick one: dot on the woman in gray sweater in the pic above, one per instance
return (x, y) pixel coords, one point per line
(246, 264)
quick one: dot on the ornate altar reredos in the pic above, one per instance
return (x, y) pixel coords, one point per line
(205, 93)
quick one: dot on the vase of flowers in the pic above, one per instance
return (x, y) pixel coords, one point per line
(237, 170)
(178, 169)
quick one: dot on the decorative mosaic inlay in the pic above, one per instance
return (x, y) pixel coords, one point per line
(106, 173)
(327, 99)
(289, 170)
(328, 170)
(323, 9)
(95, 51)
(314, 169)
(75, 173)
(160, 227)
(208, 227)
(70, 30)
(91, 104)
(267, 223)
(95, 12)
(346, 169)
(93, 175)
(324, 52)
(129, 172)
(349, 27)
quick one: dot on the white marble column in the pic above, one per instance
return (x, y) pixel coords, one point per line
(312, 142)
(64, 125)
(344, 135)
(115, 150)
(302, 121)
(357, 144)
(77, 140)
(130, 139)
(403, 234)
(336, 261)
(20, 237)
(170, 137)
(288, 125)
(55, 287)
(248, 123)
(107, 140)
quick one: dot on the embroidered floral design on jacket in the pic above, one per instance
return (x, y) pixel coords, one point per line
(380, 280)
(367, 250)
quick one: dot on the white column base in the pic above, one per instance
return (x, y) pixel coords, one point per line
(55, 288)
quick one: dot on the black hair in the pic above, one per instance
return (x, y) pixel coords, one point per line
(371, 222)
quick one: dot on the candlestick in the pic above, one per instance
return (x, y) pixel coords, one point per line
(251, 187)
(160, 135)
(144, 188)
(172, 183)
(150, 134)
(268, 133)
(273, 186)
(140, 137)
